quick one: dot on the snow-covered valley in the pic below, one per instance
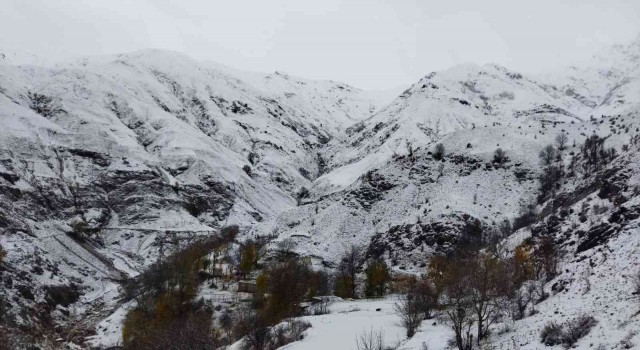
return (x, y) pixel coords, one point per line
(108, 164)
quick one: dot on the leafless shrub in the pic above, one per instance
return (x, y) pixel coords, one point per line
(578, 328)
(288, 333)
(370, 340)
(569, 333)
(320, 308)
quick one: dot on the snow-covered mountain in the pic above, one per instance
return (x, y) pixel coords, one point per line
(108, 161)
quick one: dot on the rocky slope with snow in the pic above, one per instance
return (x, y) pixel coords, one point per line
(108, 163)
(107, 160)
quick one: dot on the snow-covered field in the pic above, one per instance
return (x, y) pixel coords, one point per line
(347, 320)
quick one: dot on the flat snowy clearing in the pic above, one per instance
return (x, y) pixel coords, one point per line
(348, 319)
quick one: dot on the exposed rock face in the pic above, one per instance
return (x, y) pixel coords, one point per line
(415, 243)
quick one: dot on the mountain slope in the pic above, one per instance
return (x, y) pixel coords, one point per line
(108, 161)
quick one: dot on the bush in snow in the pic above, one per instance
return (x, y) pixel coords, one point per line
(288, 332)
(438, 153)
(2, 254)
(578, 328)
(253, 158)
(499, 157)
(569, 333)
(196, 206)
(551, 334)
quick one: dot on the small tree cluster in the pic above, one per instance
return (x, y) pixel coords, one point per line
(286, 285)
(472, 289)
(281, 288)
(249, 254)
(248, 258)
(475, 289)
(552, 172)
(595, 154)
(527, 215)
(549, 182)
(166, 315)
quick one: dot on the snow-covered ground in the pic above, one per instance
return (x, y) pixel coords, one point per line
(347, 320)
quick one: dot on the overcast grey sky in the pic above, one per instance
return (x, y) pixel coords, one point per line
(367, 43)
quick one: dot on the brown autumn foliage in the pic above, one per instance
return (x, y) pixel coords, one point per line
(377, 278)
(166, 317)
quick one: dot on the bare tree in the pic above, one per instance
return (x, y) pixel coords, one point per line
(547, 155)
(561, 140)
(426, 295)
(486, 292)
(458, 304)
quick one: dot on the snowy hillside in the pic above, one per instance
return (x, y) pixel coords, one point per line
(108, 163)
(106, 159)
